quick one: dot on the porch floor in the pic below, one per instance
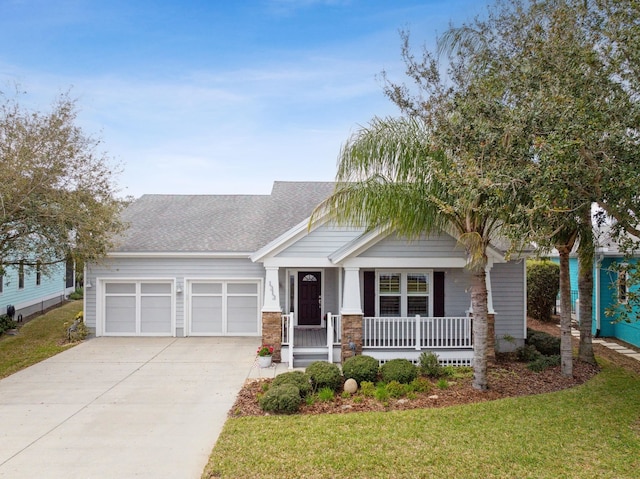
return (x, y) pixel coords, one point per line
(310, 337)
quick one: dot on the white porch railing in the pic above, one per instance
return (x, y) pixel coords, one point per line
(417, 332)
(334, 329)
(287, 336)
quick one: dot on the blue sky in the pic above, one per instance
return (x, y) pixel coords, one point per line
(217, 96)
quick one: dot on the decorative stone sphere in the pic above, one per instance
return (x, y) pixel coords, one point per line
(350, 386)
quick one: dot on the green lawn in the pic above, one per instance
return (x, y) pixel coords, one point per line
(37, 340)
(592, 431)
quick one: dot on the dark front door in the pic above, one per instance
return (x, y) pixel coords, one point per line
(309, 291)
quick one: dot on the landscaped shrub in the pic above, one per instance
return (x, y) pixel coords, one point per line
(420, 385)
(544, 362)
(297, 378)
(545, 343)
(367, 388)
(7, 323)
(284, 398)
(527, 353)
(326, 394)
(77, 294)
(401, 370)
(543, 283)
(323, 375)
(430, 365)
(361, 368)
(396, 389)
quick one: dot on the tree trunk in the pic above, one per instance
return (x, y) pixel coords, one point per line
(566, 348)
(480, 329)
(585, 292)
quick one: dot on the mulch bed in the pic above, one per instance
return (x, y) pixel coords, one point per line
(507, 378)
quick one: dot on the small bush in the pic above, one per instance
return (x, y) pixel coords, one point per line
(430, 365)
(396, 389)
(448, 371)
(284, 399)
(77, 294)
(544, 362)
(361, 368)
(543, 283)
(324, 375)
(442, 383)
(420, 385)
(326, 394)
(527, 353)
(382, 394)
(545, 343)
(7, 323)
(367, 388)
(401, 370)
(297, 378)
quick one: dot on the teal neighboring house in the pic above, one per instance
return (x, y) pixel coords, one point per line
(30, 289)
(609, 289)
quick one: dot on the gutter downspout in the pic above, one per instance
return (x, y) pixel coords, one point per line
(597, 266)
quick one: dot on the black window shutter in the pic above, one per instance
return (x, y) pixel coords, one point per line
(369, 278)
(438, 294)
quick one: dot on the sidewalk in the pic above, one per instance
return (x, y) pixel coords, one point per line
(611, 345)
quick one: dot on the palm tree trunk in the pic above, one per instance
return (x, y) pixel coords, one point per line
(566, 348)
(585, 293)
(480, 329)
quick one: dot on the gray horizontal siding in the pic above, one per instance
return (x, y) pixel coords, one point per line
(172, 268)
(321, 242)
(437, 246)
(509, 288)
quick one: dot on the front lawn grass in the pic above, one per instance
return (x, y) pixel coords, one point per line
(37, 340)
(591, 431)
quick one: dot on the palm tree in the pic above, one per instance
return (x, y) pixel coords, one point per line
(391, 176)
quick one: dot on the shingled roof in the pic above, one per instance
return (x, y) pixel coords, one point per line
(218, 223)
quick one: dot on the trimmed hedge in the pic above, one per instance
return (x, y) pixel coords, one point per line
(361, 368)
(545, 343)
(297, 378)
(284, 398)
(401, 370)
(324, 375)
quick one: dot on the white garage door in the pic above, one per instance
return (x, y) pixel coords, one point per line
(223, 308)
(138, 308)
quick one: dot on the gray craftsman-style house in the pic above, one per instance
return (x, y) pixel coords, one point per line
(248, 265)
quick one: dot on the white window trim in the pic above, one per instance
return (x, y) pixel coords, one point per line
(623, 273)
(403, 288)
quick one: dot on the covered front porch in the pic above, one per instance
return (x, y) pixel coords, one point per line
(383, 338)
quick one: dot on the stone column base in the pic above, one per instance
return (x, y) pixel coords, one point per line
(272, 332)
(351, 334)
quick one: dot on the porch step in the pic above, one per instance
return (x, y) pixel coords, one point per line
(302, 357)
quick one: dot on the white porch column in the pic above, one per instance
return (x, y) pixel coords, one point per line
(271, 291)
(487, 279)
(351, 293)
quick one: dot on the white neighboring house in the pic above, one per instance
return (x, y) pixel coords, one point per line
(248, 265)
(31, 290)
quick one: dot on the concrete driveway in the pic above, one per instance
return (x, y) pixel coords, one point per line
(121, 408)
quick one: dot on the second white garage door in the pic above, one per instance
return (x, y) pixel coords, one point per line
(223, 308)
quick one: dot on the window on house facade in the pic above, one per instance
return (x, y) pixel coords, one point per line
(403, 294)
(69, 270)
(623, 285)
(21, 275)
(1, 283)
(38, 273)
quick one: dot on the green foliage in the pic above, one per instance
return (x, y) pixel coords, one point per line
(382, 394)
(401, 370)
(544, 362)
(430, 365)
(543, 284)
(323, 374)
(545, 343)
(77, 294)
(420, 385)
(361, 368)
(397, 389)
(326, 394)
(442, 384)
(78, 330)
(367, 388)
(297, 378)
(527, 353)
(7, 323)
(283, 399)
